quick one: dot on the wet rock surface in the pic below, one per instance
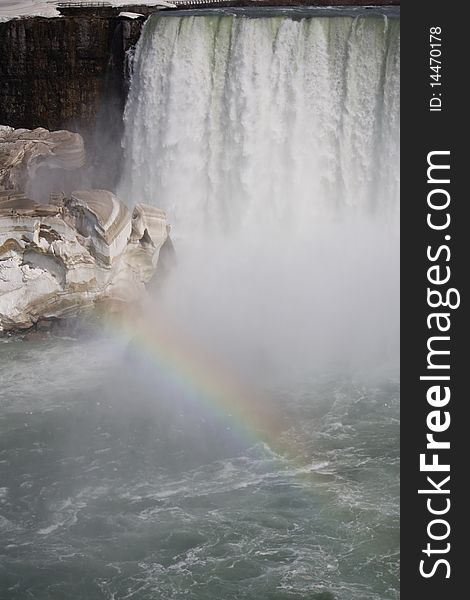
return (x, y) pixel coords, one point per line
(57, 72)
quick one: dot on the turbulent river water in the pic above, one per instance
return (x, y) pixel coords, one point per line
(237, 437)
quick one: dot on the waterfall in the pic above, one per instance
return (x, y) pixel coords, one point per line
(272, 144)
(235, 121)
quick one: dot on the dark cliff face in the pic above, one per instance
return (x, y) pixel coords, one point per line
(56, 72)
(69, 73)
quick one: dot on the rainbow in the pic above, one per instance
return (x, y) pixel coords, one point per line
(248, 412)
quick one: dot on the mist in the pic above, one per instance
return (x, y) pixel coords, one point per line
(277, 306)
(272, 146)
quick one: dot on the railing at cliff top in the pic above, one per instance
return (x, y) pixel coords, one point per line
(84, 4)
(107, 9)
(87, 5)
(191, 2)
(299, 3)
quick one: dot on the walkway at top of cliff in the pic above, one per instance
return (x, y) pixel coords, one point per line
(81, 6)
(11, 9)
(17, 9)
(249, 7)
(105, 9)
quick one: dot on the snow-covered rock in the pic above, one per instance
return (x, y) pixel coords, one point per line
(58, 259)
(23, 151)
(11, 9)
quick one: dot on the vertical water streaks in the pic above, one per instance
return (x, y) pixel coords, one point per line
(234, 121)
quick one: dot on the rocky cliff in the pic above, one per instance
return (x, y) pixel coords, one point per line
(55, 73)
(24, 152)
(57, 260)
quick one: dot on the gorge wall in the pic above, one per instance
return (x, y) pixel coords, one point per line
(55, 73)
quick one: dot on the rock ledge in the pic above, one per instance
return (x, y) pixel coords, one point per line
(59, 258)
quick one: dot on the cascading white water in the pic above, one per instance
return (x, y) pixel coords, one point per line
(236, 121)
(272, 144)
